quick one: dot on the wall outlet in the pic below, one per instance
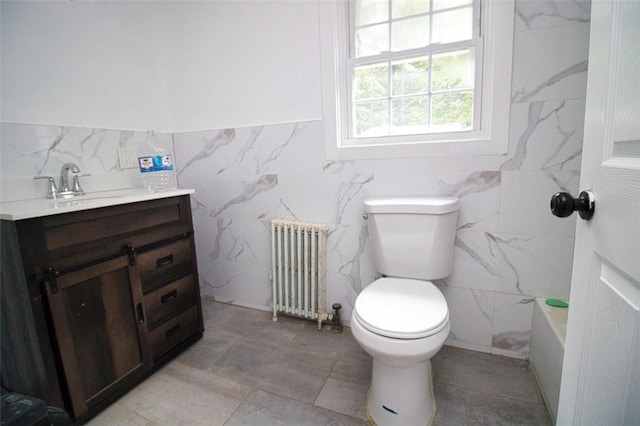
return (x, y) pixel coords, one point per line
(128, 158)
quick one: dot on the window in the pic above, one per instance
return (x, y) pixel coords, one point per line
(416, 77)
(412, 66)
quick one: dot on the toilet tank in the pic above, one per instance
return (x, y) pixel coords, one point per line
(413, 237)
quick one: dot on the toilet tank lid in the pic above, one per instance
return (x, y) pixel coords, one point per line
(425, 205)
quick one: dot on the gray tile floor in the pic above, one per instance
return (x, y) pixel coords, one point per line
(249, 370)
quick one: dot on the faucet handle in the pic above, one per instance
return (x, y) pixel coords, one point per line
(76, 183)
(51, 191)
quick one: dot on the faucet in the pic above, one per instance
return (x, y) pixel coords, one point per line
(65, 190)
(64, 176)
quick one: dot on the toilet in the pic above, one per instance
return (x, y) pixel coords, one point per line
(402, 319)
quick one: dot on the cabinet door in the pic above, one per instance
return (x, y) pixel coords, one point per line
(99, 324)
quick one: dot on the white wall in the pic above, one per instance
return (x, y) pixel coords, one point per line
(166, 66)
(84, 64)
(240, 63)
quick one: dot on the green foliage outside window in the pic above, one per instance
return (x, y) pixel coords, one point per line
(406, 100)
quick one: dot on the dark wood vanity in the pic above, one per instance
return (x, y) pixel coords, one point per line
(94, 301)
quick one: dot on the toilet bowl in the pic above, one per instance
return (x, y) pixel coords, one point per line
(390, 326)
(402, 319)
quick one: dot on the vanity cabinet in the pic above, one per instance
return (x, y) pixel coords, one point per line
(112, 294)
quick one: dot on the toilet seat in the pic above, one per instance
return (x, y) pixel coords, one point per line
(402, 308)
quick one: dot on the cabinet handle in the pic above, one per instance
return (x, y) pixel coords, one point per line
(164, 261)
(173, 330)
(51, 275)
(131, 252)
(140, 313)
(169, 296)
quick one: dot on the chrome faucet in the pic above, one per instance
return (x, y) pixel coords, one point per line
(65, 190)
(64, 176)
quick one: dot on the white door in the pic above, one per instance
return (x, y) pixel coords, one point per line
(601, 373)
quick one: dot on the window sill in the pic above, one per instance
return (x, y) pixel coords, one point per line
(472, 146)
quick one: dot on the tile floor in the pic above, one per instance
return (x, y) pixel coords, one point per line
(249, 370)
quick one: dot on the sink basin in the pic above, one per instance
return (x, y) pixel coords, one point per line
(68, 200)
(68, 194)
(27, 209)
(105, 194)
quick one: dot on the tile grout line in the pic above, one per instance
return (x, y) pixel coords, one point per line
(335, 361)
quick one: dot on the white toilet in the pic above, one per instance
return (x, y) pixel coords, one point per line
(402, 319)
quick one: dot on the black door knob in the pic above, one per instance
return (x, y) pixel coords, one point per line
(563, 204)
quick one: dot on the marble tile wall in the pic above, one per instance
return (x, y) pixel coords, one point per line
(509, 248)
(30, 150)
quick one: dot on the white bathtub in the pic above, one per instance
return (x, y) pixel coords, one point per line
(547, 350)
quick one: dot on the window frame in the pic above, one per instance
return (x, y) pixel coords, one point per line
(491, 138)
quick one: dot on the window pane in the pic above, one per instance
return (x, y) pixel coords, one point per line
(452, 112)
(371, 81)
(448, 4)
(372, 40)
(410, 33)
(410, 115)
(371, 11)
(410, 76)
(400, 8)
(453, 70)
(372, 119)
(455, 25)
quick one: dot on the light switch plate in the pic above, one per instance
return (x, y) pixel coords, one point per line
(128, 158)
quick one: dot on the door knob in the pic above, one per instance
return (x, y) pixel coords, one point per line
(563, 204)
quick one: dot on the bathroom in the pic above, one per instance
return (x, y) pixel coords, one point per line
(236, 88)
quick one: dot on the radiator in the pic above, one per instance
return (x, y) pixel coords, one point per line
(298, 260)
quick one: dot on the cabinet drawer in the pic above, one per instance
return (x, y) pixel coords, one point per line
(172, 332)
(165, 264)
(169, 299)
(70, 239)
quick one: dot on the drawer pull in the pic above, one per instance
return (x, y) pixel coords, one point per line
(173, 330)
(140, 313)
(169, 296)
(164, 261)
(131, 252)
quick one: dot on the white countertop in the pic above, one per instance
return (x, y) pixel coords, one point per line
(27, 209)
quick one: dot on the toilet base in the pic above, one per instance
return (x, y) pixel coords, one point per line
(401, 396)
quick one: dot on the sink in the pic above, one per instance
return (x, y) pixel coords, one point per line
(26, 209)
(69, 200)
(68, 194)
(107, 194)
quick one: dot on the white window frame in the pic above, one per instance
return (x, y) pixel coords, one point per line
(492, 136)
